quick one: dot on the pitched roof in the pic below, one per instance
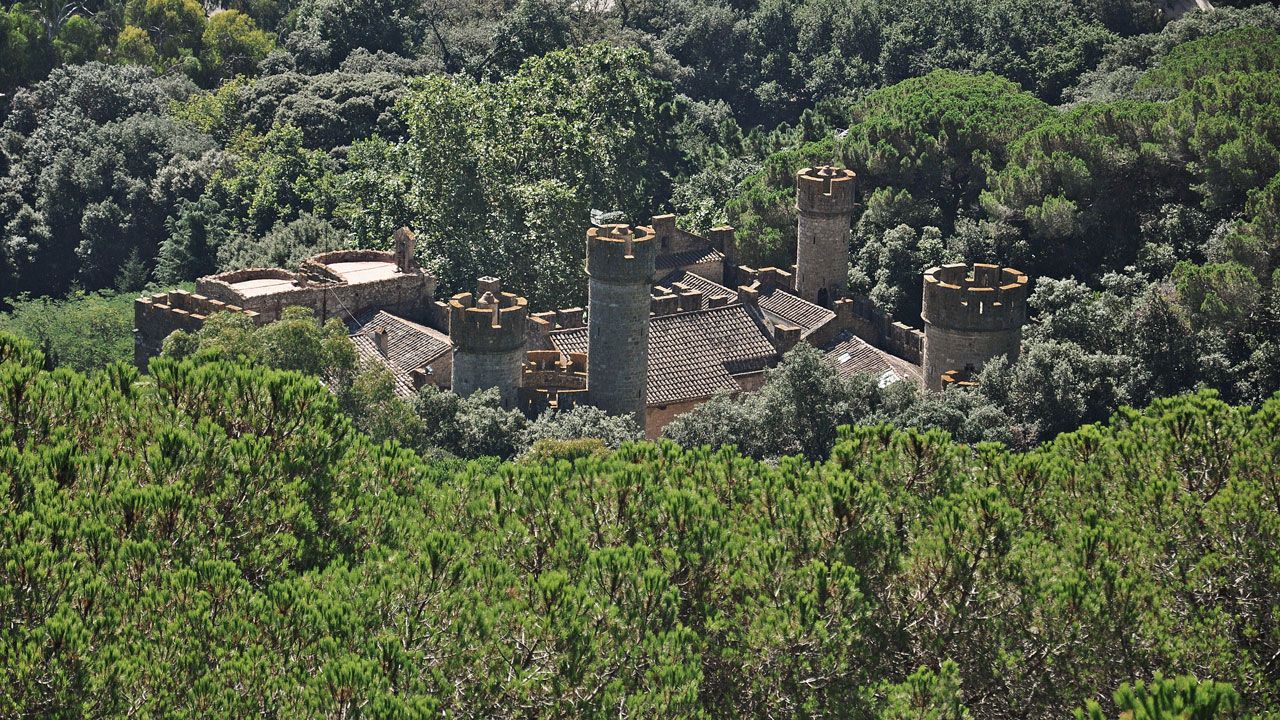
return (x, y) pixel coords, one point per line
(694, 355)
(851, 355)
(409, 346)
(695, 256)
(780, 305)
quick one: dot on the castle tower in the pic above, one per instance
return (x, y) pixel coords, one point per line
(620, 265)
(824, 209)
(971, 315)
(488, 333)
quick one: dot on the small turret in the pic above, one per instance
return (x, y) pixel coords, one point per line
(488, 333)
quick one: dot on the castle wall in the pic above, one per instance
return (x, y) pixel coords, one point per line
(620, 265)
(407, 294)
(878, 329)
(479, 371)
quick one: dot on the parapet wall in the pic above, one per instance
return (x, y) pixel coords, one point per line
(551, 381)
(975, 298)
(541, 324)
(861, 317)
(337, 256)
(157, 316)
(826, 190)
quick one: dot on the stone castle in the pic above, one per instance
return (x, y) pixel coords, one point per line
(671, 321)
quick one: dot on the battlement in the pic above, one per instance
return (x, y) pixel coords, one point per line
(621, 253)
(665, 304)
(976, 298)
(334, 257)
(489, 320)
(155, 317)
(552, 381)
(826, 190)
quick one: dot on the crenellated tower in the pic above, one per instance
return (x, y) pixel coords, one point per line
(488, 333)
(972, 314)
(620, 265)
(825, 200)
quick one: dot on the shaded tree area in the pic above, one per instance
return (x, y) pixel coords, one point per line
(254, 554)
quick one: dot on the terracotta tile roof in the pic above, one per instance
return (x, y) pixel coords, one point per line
(696, 256)
(794, 309)
(694, 355)
(851, 355)
(780, 305)
(409, 347)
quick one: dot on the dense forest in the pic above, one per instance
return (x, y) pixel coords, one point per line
(257, 526)
(213, 540)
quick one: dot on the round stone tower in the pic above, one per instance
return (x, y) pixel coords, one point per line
(971, 315)
(824, 211)
(488, 333)
(620, 265)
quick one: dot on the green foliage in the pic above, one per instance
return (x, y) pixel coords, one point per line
(274, 179)
(233, 45)
(470, 427)
(84, 331)
(25, 55)
(496, 173)
(93, 168)
(252, 554)
(1217, 292)
(1248, 49)
(937, 137)
(1180, 698)
(174, 27)
(580, 423)
(1062, 185)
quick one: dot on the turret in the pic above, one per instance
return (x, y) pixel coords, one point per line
(825, 199)
(488, 333)
(971, 315)
(620, 264)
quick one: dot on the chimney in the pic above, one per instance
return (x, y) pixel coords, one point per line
(569, 317)
(404, 241)
(787, 337)
(380, 340)
(489, 284)
(718, 301)
(664, 228)
(775, 277)
(690, 300)
(666, 304)
(748, 295)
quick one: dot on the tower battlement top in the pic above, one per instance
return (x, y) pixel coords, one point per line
(621, 253)
(975, 297)
(826, 189)
(488, 319)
